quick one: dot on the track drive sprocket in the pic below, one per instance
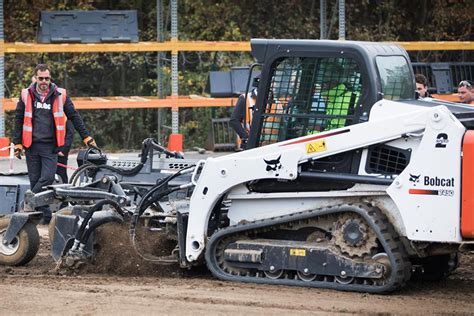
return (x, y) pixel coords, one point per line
(353, 236)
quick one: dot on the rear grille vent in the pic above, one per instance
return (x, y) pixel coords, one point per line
(387, 160)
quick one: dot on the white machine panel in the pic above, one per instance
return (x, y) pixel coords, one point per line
(428, 191)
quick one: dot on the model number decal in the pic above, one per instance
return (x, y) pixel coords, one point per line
(441, 192)
(446, 192)
(316, 147)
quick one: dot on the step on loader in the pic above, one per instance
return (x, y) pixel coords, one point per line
(349, 182)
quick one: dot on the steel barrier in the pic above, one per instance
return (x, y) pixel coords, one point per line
(444, 78)
(223, 136)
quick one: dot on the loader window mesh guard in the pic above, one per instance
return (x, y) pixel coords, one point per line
(308, 96)
(387, 160)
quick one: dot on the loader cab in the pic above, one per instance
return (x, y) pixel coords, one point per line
(313, 86)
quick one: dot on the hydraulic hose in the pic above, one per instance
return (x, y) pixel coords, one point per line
(81, 170)
(144, 204)
(133, 231)
(98, 206)
(149, 199)
(93, 226)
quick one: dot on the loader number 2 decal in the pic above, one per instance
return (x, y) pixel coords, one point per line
(316, 147)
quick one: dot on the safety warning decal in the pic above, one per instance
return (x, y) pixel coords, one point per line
(316, 147)
(298, 252)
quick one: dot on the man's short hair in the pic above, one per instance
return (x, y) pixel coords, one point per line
(41, 67)
(421, 79)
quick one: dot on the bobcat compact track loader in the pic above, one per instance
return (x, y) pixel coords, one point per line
(350, 183)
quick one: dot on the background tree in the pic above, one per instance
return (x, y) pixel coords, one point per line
(125, 74)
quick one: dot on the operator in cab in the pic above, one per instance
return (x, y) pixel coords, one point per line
(241, 117)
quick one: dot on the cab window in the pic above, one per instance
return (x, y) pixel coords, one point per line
(396, 78)
(310, 95)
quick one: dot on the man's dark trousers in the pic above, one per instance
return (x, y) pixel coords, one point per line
(41, 161)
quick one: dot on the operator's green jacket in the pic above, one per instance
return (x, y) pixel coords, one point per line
(338, 103)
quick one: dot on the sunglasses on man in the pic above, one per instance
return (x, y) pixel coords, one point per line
(43, 78)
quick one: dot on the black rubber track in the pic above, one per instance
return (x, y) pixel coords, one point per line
(388, 238)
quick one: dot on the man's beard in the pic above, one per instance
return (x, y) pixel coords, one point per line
(42, 87)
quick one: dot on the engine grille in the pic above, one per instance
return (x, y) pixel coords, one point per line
(387, 160)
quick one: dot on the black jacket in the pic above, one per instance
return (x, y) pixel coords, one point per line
(69, 137)
(43, 121)
(237, 119)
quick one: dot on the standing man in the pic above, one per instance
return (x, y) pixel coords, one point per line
(40, 130)
(466, 95)
(64, 154)
(422, 86)
(241, 117)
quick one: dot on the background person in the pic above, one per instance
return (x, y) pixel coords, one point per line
(241, 117)
(422, 86)
(40, 131)
(465, 92)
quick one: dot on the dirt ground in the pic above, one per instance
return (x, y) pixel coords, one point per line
(38, 289)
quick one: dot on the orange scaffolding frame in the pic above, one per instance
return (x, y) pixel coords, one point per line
(197, 46)
(174, 46)
(136, 102)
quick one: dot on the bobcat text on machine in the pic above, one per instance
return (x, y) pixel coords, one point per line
(350, 183)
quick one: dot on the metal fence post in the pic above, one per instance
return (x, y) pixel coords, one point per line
(176, 140)
(322, 22)
(174, 68)
(342, 20)
(159, 72)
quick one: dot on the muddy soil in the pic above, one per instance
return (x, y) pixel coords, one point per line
(137, 287)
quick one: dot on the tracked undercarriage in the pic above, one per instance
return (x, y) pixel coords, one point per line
(345, 247)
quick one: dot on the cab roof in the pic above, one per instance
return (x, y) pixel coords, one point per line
(262, 49)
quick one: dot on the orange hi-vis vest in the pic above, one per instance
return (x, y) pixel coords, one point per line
(58, 114)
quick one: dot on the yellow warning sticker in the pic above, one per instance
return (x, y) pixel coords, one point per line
(298, 252)
(316, 147)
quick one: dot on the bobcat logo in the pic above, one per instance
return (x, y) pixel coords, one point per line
(414, 178)
(273, 165)
(41, 105)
